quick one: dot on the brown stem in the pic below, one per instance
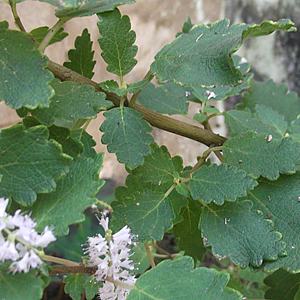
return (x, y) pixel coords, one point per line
(196, 133)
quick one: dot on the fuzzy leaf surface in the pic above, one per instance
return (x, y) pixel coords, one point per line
(24, 80)
(72, 102)
(177, 279)
(168, 98)
(82, 57)
(74, 193)
(276, 96)
(237, 231)
(29, 163)
(259, 157)
(126, 134)
(117, 42)
(221, 183)
(202, 57)
(279, 201)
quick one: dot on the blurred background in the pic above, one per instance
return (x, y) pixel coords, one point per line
(156, 23)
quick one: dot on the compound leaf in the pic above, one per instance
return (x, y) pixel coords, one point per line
(82, 57)
(72, 102)
(221, 183)
(24, 80)
(29, 163)
(168, 98)
(236, 231)
(116, 41)
(259, 156)
(127, 134)
(279, 201)
(74, 193)
(177, 279)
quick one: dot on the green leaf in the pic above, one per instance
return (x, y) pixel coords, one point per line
(127, 134)
(275, 96)
(24, 80)
(187, 26)
(112, 86)
(221, 183)
(294, 130)
(3, 25)
(71, 103)
(282, 285)
(213, 44)
(140, 258)
(70, 246)
(187, 234)
(71, 8)
(279, 201)
(236, 231)
(78, 284)
(39, 34)
(148, 213)
(259, 156)
(29, 163)
(168, 98)
(74, 193)
(82, 57)
(20, 286)
(265, 121)
(149, 205)
(117, 42)
(177, 279)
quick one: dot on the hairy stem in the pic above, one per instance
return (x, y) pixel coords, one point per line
(51, 33)
(18, 21)
(196, 133)
(149, 255)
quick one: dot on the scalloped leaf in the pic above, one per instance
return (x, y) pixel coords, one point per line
(177, 279)
(20, 286)
(82, 57)
(202, 57)
(275, 96)
(221, 183)
(150, 205)
(265, 120)
(117, 42)
(74, 193)
(279, 201)
(126, 134)
(237, 231)
(168, 98)
(260, 156)
(29, 163)
(72, 102)
(79, 8)
(24, 80)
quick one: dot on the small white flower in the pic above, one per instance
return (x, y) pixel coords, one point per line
(19, 241)
(210, 95)
(111, 255)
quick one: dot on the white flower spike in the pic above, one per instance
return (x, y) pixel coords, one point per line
(111, 255)
(19, 241)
